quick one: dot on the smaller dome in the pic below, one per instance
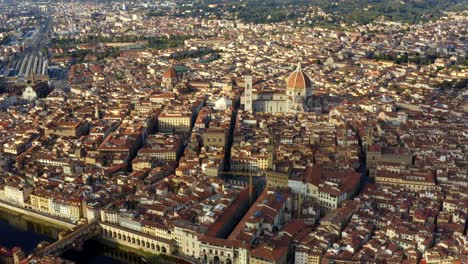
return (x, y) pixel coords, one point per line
(170, 73)
(223, 103)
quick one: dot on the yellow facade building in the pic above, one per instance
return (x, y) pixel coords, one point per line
(180, 122)
(41, 202)
(276, 179)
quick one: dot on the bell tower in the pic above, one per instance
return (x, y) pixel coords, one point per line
(248, 94)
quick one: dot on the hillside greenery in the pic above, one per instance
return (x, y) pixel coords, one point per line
(347, 11)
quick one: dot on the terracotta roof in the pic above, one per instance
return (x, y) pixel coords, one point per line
(298, 80)
(292, 228)
(269, 253)
(313, 174)
(170, 73)
(223, 242)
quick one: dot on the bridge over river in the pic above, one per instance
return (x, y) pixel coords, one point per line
(80, 234)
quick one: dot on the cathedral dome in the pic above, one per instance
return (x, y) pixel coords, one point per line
(298, 80)
(170, 74)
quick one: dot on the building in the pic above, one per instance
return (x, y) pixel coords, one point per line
(270, 212)
(158, 229)
(17, 146)
(67, 128)
(170, 79)
(268, 254)
(37, 91)
(218, 250)
(222, 104)
(17, 194)
(137, 240)
(110, 215)
(128, 220)
(412, 180)
(308, 255)
(159, 147)
(69, 208)
(248, 94)
(215, 137)
(297, 97)
(187, 235)
(41, 201)
(92, 211)
(329, 187)
(377, 154)
(11, 256)
(174, 121)
(276, 179)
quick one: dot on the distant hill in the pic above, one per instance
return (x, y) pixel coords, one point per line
(347, 11)
(364, 11)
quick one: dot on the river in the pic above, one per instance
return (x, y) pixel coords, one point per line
(17, 230)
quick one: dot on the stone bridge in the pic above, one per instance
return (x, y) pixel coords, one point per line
(79, 235)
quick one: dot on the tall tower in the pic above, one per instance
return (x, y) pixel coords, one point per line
(96, 112)
(248, 94)
(271, 151)
(369, 136)
(33, 81)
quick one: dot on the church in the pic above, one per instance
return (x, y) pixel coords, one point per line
(37, 91)
(170, 79)
(296, 98)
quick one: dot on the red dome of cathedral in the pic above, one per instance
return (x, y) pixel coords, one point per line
(298, 80)
(170, 74)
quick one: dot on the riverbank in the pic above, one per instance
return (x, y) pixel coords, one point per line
(45, 220)
(35, 216)
(144, 255)
(148, 257)
(18, 231)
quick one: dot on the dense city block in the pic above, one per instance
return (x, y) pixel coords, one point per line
(208, 132)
